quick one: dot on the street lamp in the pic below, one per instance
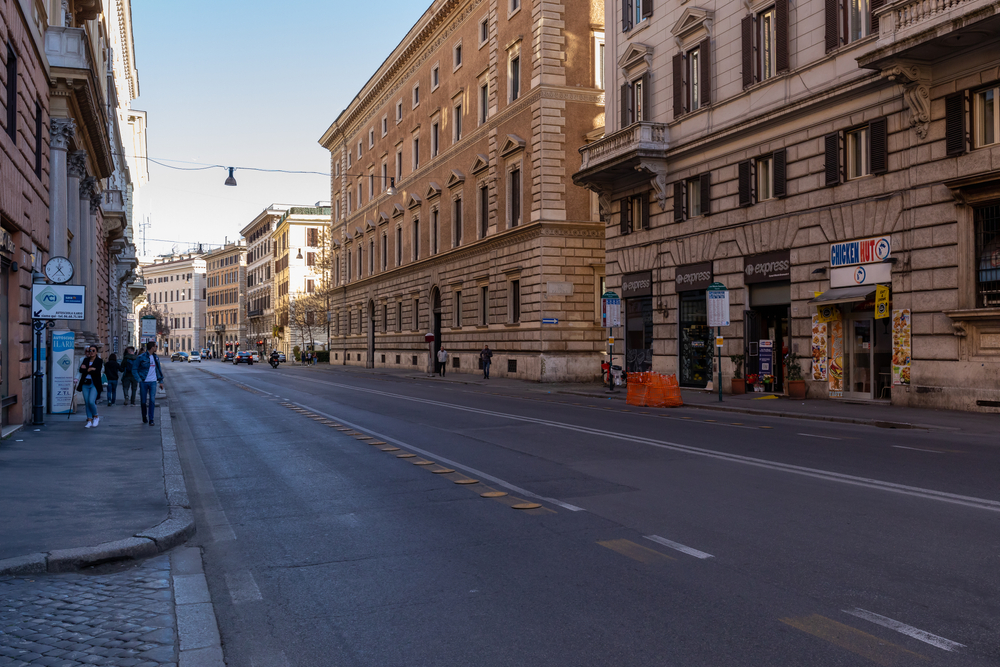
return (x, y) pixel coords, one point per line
(231, 180)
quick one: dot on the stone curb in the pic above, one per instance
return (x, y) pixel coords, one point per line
(176, 529)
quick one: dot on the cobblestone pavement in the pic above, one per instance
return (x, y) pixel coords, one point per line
(124, 618)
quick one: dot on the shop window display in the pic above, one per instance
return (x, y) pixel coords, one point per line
(695, 340)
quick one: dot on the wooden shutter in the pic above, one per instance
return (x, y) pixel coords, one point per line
(705, 51)
(647, 8)
(781, 59)
(747, 30)
(875, 4)
(645, 211)
(878, 149)
(706, 193)
(626, 15)
(679, 201)
(745, 199)
(832, 142)
(624, 216)
(832, 25)
(626, 105)
(679, 87)
(954, 124)
(778, 158)
(647, 96)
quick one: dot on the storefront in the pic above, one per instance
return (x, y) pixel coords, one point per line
(8, 392)
(857, 326)
(637, 293)
(694, 348)
(767, 278)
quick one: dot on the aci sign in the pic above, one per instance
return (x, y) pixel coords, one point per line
(863, 251)
(58, 302)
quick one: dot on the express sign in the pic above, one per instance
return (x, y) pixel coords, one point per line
(864, 251)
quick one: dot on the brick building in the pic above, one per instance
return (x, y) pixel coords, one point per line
(474, 120)
(804, 154)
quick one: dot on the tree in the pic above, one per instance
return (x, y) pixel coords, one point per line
(306, 317)
(162, 322)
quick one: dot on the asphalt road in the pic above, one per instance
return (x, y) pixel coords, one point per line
(666, 537)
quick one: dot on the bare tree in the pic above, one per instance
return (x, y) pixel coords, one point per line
(307, 317)
(162, 321)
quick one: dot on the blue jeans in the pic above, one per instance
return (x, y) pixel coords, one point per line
(129, 382)
(112, 391)
(90, 400)
(486, 369)
(148, 388)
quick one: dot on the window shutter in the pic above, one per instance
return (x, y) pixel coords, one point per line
(745, 183)
(679, 201)
(647, 8)
(624, 213)
(832, 25)
(778, 158)
(626, 105)
(645, 210)
(626, 15)
(706, 193)
(954, 123)
(747, 29)
(647, 95)
(878, 151)
(705, 51)
(832, 159)
(781, 60)
(679, 88)
(875, 4)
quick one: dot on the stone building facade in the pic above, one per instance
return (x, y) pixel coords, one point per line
(176, 287)
(260, 279)
(301, 247)
(805, 154)
(225, 301)
(453, 211)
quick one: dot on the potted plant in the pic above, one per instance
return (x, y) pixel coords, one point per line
(767, 380)
(752, 381)
(793, 371)
(739, 384)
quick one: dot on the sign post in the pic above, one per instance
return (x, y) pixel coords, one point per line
(718, 317)
(611, 316)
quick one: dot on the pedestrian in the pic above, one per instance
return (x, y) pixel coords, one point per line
(90, 385)
(111, 370)
(127, 378)
(486, 357)
(442, 361)
(148, 374)
(314, 357)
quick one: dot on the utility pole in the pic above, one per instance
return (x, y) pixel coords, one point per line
(143, 226)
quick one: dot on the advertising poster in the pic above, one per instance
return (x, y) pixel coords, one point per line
(765, 360)
(835, 369)
(818, 349)
(63, 372)
(901, 346)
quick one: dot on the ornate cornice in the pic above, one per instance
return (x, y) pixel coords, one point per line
(61, 130)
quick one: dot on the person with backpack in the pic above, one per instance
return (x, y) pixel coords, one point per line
(148, 374)
(90, 384)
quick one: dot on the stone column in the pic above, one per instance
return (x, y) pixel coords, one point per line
(86, 227)
(98, 248)
(60, 132)
(75, 170)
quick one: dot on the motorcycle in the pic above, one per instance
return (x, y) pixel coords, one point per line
(274, 362)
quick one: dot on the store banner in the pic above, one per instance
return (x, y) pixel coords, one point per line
(63, 378)
(818, 349)
(828, 313)
(861, 251)
(637, 284)
(869, 274)
(693, 277)
(901, 346)
(767, 268)
(836, 360)
(881, 302)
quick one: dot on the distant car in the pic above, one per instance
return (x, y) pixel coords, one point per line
(205, 353)
(179, 356)
(256, 357)
(227, 356)
(281, 357)
(242, 358)
(194, 356)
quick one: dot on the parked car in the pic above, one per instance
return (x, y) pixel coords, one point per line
(227, 356)
(242, 358)
(206, 353)
(179, 356)
(281, 357)
(194, 356)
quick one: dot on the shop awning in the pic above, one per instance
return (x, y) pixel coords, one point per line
(844, 295)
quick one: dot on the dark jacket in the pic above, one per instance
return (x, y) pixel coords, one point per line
(141, 367)
(111, 369)
(486, 356)
(127, 366)
(94, 376)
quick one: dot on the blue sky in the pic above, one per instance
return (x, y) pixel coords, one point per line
(247, 84)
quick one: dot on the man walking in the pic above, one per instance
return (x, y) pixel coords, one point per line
(148, 374)
(486, 356)
(442, 361)
(128, 379)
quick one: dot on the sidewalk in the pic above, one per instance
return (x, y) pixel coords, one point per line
(74, 497)
(850, 412)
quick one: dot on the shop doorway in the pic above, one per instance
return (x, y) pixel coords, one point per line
(695, 346)
(639, 335)
(436, 319)
(370, 360)
(868, 352)
(766, 323)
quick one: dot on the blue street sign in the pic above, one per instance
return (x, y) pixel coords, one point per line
(549, 320)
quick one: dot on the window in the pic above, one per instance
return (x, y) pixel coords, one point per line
(692, 78)
(848, 21)
(435, 77)
(385, 177)
(434, 232)
(484, 101)
(693, 197)
(634, 100)
(385, 322)
(385, 252)
(514, 77)
(484, 210)
(635, 12)
(514, 203)
(514, 302)
(514, 6)
(371, 186)
(359, 149)
(765, 43)
(360, 193)
(458, 55)
(987, 230)
(435, 139)
(633, 213)
(38, 139)
(385, 125)
(11, 93)
(416, 239)
(415, 314)
(457, 121)
(361, 265)
(458, 309)
(310, 259)
(399, 320)
(399, 246)
(764, 171)
(416, 96)
(348, 159)
(985, 117)
(312, 237)
(371, 257)
(865, 152)
(416, 153)
(371, 138)
(693, 88)
(399, 111)
(349, 202)
(599, 60)
(484, 305)
(457, 219)
(310, 286)
(399, 165)
(857, 153)
(484, 31)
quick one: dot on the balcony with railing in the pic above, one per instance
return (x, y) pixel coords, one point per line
(618, 155)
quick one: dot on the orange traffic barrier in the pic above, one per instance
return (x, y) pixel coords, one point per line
(653, 390)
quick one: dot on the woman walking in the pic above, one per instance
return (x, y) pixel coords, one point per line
(111, 370)
(128, 379)
(90, 385)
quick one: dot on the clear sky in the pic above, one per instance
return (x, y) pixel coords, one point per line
(247, 84)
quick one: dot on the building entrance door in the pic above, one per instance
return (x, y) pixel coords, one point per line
(370, 360)
(868, 348)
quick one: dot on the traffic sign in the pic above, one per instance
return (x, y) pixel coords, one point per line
(550, 320)
(718, 305)
(611, 310)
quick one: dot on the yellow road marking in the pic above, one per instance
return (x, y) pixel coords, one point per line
(493, 494)
(527, 506)
(466, 481)
(710, 420)
(879, 651)
(405, 456)
(422, 462)
(442, 471)
(767, 427)
(389, 449)
(635, 551)
(362, 437)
